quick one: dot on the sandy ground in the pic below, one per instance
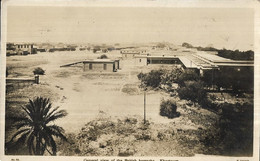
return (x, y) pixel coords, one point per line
(85, 94)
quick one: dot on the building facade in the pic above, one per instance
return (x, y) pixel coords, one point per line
(20, 49)
(25, 49)
(131, 53)
(101, 65)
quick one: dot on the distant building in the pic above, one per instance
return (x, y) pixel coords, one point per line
(25, 49)
(131, 53)
(20, 49)
(199, 62)
(141, 60)
(101, 65)
(41, 50)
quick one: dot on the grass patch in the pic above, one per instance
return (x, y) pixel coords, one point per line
(130, 89)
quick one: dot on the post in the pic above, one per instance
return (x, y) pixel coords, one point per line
(212, 79)
(37, 79)
(144, 107)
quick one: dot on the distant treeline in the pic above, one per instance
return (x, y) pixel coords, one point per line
(230, 54)
(62, 49)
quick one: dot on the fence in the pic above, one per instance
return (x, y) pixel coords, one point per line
(22, 81)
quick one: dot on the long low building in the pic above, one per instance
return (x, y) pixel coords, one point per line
(97, 65)
(131, 53)
(101, 65)
(199, 61)
(141, 60)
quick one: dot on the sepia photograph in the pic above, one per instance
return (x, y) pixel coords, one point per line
(128, 81)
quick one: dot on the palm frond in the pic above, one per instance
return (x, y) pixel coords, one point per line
(47, 109)
(53, 146)
(29, 112)
(23, 137)
(19, 125)
(56, 131)
(31, 106)
(30, 143)
(18, 133)
(59, 114)
(51, 113)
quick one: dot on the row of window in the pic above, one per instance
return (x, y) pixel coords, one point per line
(91, 66)
(25, 46)
(133, 51)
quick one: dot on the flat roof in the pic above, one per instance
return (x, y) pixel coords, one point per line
(159, 56)
(217, 59)
(201, 60)
(99, 61)
(187, 62)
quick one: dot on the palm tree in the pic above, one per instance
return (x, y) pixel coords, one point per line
(36, 130)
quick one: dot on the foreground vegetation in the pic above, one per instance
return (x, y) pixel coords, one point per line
(35, 130)
(129, 136)
(231, 134)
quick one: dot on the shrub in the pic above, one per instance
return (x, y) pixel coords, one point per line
(187, 45)
(151, 79)
(192, 90)
(236, 128)
(6, 72)
(168, 108)
(232, 134)
(187, 75)
(103, 57)
(171, 76)
(38, 71)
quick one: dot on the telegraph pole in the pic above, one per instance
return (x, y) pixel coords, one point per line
(144, 106)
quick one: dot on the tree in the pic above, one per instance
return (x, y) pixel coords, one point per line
(236, 128)
(35, 129)
(103, 57)
(187, 75)
(192, 90)
(187, 45)
(160, 45)
(38, 71)
(6, 72)
(168, 108)
(151, 79)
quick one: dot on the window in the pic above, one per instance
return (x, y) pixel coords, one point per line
(105, 66)
(90, 66)
(140, 60)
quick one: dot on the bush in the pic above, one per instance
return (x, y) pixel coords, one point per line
(236, 128)
(103, 57)
(187, 45)
(168, 108)
(171, 76)
(38, 71)
(6, 72)
(151, 79)
(192, 90)
(187, 75)
(232, 134)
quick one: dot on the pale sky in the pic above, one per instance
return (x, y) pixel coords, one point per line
(229, 28)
